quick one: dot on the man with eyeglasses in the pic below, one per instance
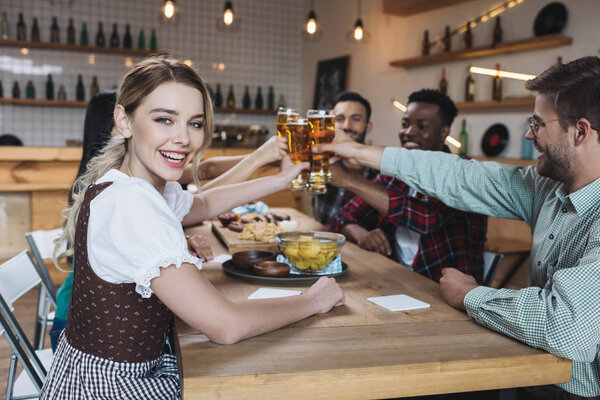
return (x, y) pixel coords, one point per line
(416, 230)
(559, 199)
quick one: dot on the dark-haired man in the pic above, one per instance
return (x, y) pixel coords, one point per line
(417, 230)
(559, 199)
(353, 116)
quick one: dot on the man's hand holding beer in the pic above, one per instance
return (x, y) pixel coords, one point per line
(355, 153)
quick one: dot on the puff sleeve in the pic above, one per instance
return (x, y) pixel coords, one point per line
(133, 232)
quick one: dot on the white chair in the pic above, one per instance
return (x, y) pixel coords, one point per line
(41, 244)
(18, 276)
(491, 261)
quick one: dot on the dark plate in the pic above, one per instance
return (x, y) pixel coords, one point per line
(230, 269)
(551, 19)
(494, 140)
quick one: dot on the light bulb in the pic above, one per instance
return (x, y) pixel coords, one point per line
(358, 33)
(311, 26)
(169, 9)
(228, 17)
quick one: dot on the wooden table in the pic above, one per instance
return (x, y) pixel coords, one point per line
(360, 350)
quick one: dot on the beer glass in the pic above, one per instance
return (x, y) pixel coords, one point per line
(299, 148)
(282, 115)
(321, 130)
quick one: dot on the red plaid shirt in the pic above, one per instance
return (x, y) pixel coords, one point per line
(449, 237)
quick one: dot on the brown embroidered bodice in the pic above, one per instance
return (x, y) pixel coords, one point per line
(110, 320)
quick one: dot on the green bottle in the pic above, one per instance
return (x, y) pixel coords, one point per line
(271, 99)
(84, 35)
(141, 41)
(463, 137)
(153, 45)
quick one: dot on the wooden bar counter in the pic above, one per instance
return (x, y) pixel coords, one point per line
(360, 350)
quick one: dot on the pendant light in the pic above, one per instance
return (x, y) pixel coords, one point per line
(358, 34)
(228, 16)
(228, 21)
(310, 29)
(169, 13)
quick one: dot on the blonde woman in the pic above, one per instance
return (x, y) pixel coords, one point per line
(132, 268)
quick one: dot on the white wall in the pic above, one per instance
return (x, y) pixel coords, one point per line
(264, 51)
(394, 37)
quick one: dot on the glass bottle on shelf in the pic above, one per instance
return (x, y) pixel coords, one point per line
(16, 91)
(426, 45)
(559, 60)
(447, 41)
(230, 98)
(79, 89)
(468, 38)
(141, 43)
(35, 31)
(469, 87)
(71, 32)
(497, 37)
(245, 99)
(54, 31)
(153, 44)
(127, 40)
(4, 27)
(95, 88)
(49, 88)
(84, 39)
(218, 96)
(281, 101)
(526, 144)
(21, 34)
(1, 90)
(258, 100)
(62, 93)
(100, 39)
(271, 99)
(463, 137)
(114, 37)
(30, 90)
(444, 82)
(497, 85)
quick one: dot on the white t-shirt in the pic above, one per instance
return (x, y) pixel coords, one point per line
(133, 230)
(407, 241)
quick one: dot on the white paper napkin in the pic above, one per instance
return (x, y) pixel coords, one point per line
(398, 302)
(268, 293)
(221, 258)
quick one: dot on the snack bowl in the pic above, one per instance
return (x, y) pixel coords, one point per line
(246, 259)
(271, 268)
(310, 251)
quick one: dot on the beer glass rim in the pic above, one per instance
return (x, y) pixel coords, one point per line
(320, 113)
(286, 110)
(299, 121)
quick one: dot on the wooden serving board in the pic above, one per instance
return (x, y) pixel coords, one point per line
(234, 245)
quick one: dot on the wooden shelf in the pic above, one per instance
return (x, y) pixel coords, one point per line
(515, 46)
(43, 103)
(410, 7)
(75, 47)
(494, 105)
(250, 111)
(73, 103)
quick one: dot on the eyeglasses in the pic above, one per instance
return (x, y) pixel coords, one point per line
(534, 124)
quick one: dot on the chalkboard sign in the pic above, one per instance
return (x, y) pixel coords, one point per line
(332, 76)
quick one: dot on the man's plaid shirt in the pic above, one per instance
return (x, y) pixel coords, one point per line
(449, 237)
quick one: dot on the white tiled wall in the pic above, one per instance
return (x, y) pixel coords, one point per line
(265, 50)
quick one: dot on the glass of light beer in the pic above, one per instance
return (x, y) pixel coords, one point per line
(282, 116)
(321, 130)
(299, 148)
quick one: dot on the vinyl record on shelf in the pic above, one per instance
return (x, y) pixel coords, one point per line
(494, 140)
(551, 19)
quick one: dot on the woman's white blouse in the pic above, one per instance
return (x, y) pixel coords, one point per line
(133, 230)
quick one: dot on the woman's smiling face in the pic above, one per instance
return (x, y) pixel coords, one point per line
(165, 132)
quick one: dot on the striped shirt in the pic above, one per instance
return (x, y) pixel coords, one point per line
(560, 311)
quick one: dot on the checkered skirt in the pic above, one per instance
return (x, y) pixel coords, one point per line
(78, 375)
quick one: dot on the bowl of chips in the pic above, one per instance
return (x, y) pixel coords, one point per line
(310, 251)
